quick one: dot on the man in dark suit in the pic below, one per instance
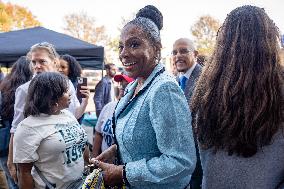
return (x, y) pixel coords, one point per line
(184, 58)
(104, 91)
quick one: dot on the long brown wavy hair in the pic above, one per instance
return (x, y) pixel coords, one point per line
(238, 98)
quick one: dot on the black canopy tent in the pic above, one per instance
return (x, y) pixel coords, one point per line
(17, 43)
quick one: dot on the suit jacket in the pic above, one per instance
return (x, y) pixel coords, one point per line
(189, 89)
(191, 82)
(102, 94)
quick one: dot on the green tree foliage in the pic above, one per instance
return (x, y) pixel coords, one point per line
(13, 17)
(204, 32)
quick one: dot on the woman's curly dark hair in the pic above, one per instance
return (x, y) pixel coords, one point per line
(75, 68)
(44, 91)
(238, 99)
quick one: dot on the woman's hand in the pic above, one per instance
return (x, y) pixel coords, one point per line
(107, 156)
(85, 91)
(112, 173)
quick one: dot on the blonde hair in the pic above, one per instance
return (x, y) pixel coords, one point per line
(48, 47)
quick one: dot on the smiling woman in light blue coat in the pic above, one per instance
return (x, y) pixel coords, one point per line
(152, 122)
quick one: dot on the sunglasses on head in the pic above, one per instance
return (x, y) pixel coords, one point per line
(47, 46)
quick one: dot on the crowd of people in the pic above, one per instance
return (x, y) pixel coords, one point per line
(217, 125)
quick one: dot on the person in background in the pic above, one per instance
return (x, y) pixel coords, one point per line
(239, 102)
(104, 91)
(70, 67)
(20, 73)
(44, 58)
(184, 58)
(103, 135)
(152, 122)
(49, 139)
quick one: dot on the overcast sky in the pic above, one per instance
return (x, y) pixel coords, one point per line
(179, 15)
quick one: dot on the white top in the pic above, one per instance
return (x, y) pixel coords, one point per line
(188, 73)
(104, 125)
(112, 93)
(20, 101)
(55, 144)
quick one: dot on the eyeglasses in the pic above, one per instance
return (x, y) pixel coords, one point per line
(45, 45)
(181, 51)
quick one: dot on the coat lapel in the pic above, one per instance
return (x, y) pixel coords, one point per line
(190, 84)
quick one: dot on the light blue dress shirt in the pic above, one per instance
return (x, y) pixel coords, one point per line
(154, 135)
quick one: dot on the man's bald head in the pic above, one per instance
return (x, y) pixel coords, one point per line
(186, 41)
(184, 54)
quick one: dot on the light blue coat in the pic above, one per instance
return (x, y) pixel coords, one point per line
(154, 135)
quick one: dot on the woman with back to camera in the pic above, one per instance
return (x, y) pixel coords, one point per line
(21, 72)
(154, 143)
(239, 103)
(49, 138)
